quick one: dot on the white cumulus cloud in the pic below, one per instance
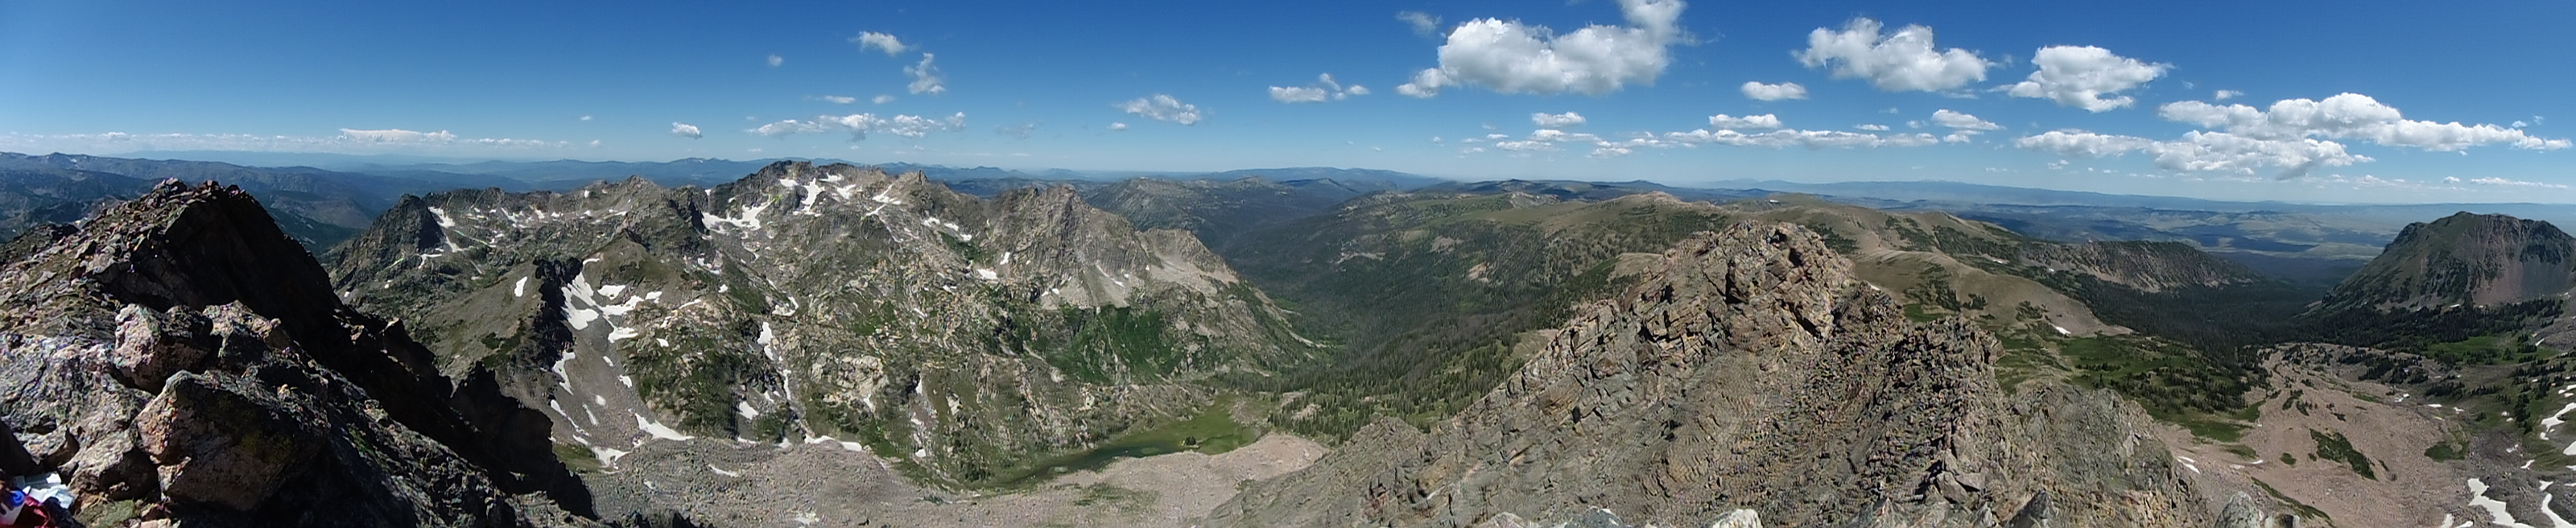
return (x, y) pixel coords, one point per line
(1564, 120)
(2495, 181)
(1872, 128)
(2349, 116)
(1727, 122)
(839, 99)
(1325, 88)
(2223, 95)
(2077, 143)
(1512, 57)
(1426, 84)
(925, 77)
(1947, 118)
(1423, 23)
(881, 99)
(685, 130)
(888, 43)
(1298, 95)
(1114, 127)
(2080, 76)
(2203, 151)
(775, 60)
(860, 125)
(1905, 60)
(1163, 108)
(1774, 92)
(395, 135)
(1812, 139)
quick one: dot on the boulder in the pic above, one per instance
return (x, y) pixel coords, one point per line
(150, 346)
(1738, 519)
(220, 443)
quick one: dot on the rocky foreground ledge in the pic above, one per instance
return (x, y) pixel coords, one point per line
(178, 360)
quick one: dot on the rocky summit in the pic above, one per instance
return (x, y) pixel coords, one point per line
(178, 360)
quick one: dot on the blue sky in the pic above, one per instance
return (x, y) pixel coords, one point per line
(2448, 101)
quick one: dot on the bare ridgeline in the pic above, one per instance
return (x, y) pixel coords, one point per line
(835, 346)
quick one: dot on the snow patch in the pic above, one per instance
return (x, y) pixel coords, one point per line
(2551, 423)
(748, 413)
(2554, 520)
(580, 318)
(2061, 330)
(560, 377)
(987, 274)
(659, 430)
(749, 221)
(520, 289)
(443, 220)
(721, 471)
(2478, 499)
(607, 457)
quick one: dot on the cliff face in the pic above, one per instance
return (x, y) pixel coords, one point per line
(179, 357)
(964, 338)
(1750, 370)
(2481, 260)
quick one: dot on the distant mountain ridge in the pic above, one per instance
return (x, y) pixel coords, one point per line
(318, 207)
(2465, 258)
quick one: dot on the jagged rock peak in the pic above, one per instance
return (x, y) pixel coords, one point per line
(182, 245)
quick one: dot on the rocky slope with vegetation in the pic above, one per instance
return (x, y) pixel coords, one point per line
(2464, 259)
(180, 361)
(968, 341)
(1750, 370)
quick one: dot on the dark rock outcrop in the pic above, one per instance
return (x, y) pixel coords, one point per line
(180, 355)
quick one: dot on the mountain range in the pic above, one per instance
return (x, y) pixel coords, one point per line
(807, 343)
